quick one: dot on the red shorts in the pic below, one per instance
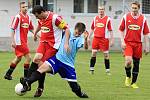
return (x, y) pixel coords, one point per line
(45, 49)
(133, 49)
(101, 44)
(21, 50)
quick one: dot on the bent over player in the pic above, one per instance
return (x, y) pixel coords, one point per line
(63, 62)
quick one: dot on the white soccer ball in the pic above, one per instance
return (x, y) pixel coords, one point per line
(18, 89)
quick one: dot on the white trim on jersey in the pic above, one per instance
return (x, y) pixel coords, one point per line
(57, 32)
(144, 20)
(124, 18)
(17, 32)
(107, 35)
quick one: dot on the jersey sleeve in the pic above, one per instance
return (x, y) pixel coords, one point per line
(15, 23)
(31, 26)
(60, 22)
(146, 28)
(109, 26)
(122, 25)
(80, 42)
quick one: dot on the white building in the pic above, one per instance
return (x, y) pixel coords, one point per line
(72, 10)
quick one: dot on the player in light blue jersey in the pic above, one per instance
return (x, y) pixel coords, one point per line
(63, 61)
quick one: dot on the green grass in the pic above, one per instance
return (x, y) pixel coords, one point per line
(98, 86)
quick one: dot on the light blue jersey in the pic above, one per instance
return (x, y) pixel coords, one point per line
(74, 43)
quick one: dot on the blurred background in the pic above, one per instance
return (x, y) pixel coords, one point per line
(72, 11)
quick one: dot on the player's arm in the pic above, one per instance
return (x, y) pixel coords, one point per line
(86, 34)
(14, 26)
(122, 35)
(146, 33)
(38, 28)
(90, 33)
(109, 26)
(61, 24)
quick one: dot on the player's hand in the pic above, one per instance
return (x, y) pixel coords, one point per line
(111, 43)
(123, 45)
(13, 44)
(146, 50)
(35, 37)
(67, 48)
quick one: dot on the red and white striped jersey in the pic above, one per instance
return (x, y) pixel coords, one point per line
(101, 26)
(134, 27)
(21, 24)
(50, 30)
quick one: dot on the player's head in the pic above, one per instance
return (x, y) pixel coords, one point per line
(79, 29)
(101, 10)
(23, 7)
(135, 6)
(39, 12)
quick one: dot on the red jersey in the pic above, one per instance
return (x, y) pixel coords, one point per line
(134, 27)
(101, 26)
(21, 24)
(50, 30)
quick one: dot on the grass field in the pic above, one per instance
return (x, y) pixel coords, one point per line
(98, 86)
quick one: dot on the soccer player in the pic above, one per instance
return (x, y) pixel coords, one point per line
(103, 38)
(51, 26)
(63, 62)
(133, 27)
(20, 26)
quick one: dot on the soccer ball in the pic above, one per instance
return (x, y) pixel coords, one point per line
(18, 89)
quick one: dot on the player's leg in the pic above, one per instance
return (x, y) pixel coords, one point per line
(48, 66)
(27, 63)
(75, 87)
(107, 62)
(95, 48)
(128, 61)
(34, 65)
(128, 52)
(12, 68)
(49, 53)
(93, 61)
(37, 58)
(137, 54)
(135, 71)
(68, 73)
(36, 75)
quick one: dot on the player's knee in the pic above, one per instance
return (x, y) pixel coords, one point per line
(18, 59)
(128, 62)
(37, 60)
(28, 59)
(106, 56)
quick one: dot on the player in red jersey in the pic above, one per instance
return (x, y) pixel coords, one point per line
(133, 27)
(51, 26)
(20, 26)
(103, 38)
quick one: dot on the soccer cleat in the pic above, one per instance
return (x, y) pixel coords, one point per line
(8, 77)
(108, 72)
(38, 92)
(84, 95)
(91, 70)
(26, 86)
(127, 81)
(134, 85)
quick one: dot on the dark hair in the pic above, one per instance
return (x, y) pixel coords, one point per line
(80, 26)
(23, 2)
(136, 3)
(38, 9)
